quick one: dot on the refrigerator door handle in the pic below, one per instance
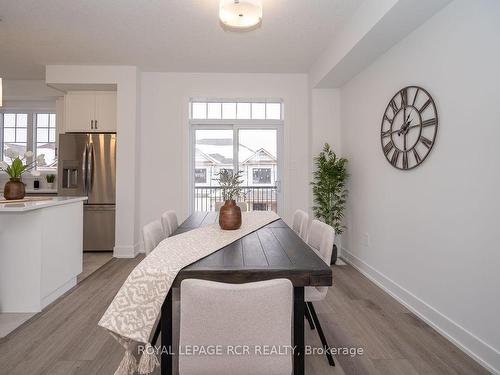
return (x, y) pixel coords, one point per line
(90, 167)
(84, 168)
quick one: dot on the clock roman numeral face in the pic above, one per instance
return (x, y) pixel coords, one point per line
(409, 127)
(426, 142)
(426, 104)
(405, 160)
(388, 148)
(415, 97)
(386, 134)
(429, 122)
(404, 97)
(395, 157)
(394, 107)
(417, 156)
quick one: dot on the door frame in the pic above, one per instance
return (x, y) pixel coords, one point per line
(236, 126)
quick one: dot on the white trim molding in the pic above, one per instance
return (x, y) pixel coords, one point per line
(466, 341)
(127, 251)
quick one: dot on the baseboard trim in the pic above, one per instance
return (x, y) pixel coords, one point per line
(55, 294)
(473, 346)
(126, 251)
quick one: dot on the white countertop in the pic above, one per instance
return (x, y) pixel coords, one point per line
(38, 204)
(41, 191)
(35, 191)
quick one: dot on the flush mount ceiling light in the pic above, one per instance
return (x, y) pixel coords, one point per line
(240, 15)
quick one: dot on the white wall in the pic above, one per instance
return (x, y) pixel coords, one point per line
(376, 26)
(325, 126)
(164, 144)
(24, 94)
(325, 120)
(126, 79)
(434, 231)
(368, 14)
(29, 90)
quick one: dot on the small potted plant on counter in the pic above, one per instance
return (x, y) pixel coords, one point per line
(230, 213)
(14, 188)
(330, 191)
(50, 178)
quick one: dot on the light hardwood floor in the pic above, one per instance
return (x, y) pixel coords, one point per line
(92, 261)
(64, 339)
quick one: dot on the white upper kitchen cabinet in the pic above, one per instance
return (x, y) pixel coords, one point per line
(105, 107)
(90, 111)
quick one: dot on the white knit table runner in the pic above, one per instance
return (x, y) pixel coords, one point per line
(134, 311)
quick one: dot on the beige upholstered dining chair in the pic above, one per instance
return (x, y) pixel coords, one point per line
(253, 314)
(242, 205)
(300, 223)
(152, 234)
(169, 222)
(320, 238)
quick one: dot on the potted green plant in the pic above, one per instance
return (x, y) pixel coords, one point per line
(50, 178)
(15, 188)
(330, 191)
(230, 213)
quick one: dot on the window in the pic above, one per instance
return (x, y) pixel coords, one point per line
(29, 130)
(15, 133)
(232, 110)
(244, 136)
(45, 124)
(262, 175)
(200, 175)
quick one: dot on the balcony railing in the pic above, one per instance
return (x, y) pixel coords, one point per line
(257, 198)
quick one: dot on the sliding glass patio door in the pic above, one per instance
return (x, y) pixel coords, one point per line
(252, 149)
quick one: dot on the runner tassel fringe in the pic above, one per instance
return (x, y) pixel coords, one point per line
(128, 365)
(149, 361)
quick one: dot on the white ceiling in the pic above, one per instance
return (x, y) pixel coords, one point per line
(163, 35)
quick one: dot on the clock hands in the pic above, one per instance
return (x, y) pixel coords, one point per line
(405, 125)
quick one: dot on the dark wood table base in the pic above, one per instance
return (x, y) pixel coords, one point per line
(273, 251)
(166, 335)
(298, 331)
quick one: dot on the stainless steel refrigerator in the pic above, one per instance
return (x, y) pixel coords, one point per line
(87, 167)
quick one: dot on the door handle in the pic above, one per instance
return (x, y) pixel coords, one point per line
(90, 167)
(84, 169)
(91, 124)
(96, 124)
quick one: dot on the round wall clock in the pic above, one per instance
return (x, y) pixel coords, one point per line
(409, 128)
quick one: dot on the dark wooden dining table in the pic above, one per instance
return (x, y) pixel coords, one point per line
(273, 251)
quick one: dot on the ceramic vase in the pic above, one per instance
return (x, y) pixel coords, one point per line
(14, 189)
(230, 216)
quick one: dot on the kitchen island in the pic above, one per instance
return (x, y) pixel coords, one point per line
(41, 249)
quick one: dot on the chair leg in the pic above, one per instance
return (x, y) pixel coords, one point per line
(321, 334)
(308, 316)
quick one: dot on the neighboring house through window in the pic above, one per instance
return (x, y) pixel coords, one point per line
(200, 175)
(45, 124)
(241, 135)
(262, 175)
(15, 133)
(29, 130)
